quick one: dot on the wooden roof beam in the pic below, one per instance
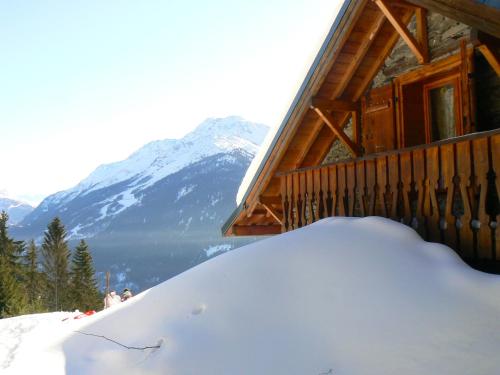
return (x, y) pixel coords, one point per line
(255, 230)
(334, 105)
(358, 58)
(338, 131)
(480, 16)
(402, 31)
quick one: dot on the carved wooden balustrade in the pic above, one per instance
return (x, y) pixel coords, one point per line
(447, 191)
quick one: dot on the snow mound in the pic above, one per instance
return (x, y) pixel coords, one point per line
(342, 296)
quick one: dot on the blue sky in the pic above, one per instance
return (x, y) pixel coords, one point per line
(88, 82)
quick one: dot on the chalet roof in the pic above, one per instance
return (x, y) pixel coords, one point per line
(355, 48)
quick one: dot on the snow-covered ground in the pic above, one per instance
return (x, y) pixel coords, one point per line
(342, 297)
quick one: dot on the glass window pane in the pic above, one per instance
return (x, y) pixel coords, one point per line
(443, 112)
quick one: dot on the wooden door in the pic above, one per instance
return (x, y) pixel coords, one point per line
(378, 120)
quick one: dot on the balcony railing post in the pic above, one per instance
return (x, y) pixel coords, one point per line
(448, 192)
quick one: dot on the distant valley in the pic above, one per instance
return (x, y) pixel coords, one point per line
(159, 212)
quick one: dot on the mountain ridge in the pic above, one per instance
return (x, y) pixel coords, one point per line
(16, 209)
(212, 136)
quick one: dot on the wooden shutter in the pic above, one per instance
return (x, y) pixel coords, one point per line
(379, 133)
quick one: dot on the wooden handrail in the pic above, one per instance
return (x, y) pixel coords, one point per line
(466, 137)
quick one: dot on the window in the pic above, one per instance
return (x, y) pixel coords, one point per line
(442, 109)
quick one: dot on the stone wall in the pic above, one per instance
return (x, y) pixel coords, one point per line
(444, 40)
(339, 151)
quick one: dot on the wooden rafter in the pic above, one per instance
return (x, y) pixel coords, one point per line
(338, 131)
(375, 67)
(473, 13)
(334, 105)
(402, 30)
(347, 76)
(358, 58)
(308, 143)
(251, 208)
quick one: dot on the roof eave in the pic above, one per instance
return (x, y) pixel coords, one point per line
(239, 209)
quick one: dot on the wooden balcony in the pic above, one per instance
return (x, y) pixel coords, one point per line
(446, 191)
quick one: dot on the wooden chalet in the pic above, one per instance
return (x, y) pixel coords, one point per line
(399, 116)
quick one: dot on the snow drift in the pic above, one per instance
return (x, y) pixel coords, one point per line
(342, 296)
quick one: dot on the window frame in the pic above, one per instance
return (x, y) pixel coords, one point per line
(451, 67)
(431, 84)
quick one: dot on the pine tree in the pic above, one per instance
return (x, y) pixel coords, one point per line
(33, 280)
(84, 293)
(55, 264)
(31, 272)
(12, 297)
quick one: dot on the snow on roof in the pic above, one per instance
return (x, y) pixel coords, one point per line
(341, 296)
(258, 162)
(255, 164)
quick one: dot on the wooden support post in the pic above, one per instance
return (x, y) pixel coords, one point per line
(464, 76)
(356, 128)
(328, 119)
(422, 36)
(402, 30)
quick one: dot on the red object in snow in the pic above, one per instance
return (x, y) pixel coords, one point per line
(85, 314)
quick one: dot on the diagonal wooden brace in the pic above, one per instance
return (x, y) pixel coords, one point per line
(402, 31)
(329, 120)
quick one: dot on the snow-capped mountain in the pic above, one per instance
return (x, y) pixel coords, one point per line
(158, 159)
(15, 209)
(166, 201)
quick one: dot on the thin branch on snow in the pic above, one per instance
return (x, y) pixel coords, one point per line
(117, 343)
